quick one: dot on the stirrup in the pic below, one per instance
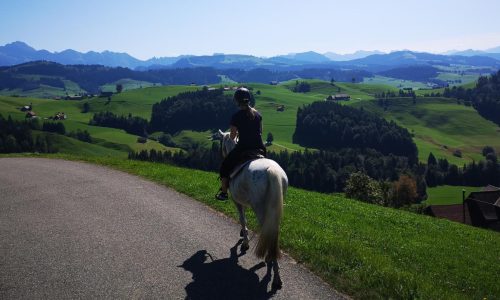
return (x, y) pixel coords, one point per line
(221, 195)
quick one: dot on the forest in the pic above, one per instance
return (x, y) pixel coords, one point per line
(17, 136)
(131, 124)
(199, 110)
(329, 125)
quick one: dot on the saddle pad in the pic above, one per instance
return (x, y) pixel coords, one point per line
(239, 167)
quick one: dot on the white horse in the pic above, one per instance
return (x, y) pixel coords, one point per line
(262, 185)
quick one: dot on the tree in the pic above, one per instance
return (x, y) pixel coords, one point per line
(119, 88)
(404, 191)
(487, 150)
(353, 80)
(362, 187)
(269, 139)
(86, 107)
(431, 160)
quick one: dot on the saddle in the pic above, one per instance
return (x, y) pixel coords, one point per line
(246, 158)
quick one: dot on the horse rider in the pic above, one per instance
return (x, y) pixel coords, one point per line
(246, 124)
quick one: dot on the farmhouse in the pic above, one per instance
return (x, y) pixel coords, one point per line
(338, 97)
(27, 107)
(480, 209)
(30, 114)
(75, 97)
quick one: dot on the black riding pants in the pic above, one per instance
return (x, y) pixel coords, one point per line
(238, 156)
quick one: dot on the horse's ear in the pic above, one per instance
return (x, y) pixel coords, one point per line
(220, 132)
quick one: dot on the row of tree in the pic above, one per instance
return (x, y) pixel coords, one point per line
(328, 125)
(17, 136)
(131, 124)
(323, 171)
(482, 173)
(393, 94)
(301, 87)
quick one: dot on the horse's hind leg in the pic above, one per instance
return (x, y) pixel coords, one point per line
(244, 230)
(277, 283)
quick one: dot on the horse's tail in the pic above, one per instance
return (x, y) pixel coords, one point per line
(268, 244)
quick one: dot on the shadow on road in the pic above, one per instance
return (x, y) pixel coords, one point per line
(225, 278)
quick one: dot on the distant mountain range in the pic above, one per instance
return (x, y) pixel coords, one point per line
(494, 53)
(356, 55)
(374, 61)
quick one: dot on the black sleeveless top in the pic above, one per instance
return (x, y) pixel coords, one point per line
(249, 131)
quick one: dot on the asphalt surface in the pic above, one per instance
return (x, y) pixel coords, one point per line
(76, 230)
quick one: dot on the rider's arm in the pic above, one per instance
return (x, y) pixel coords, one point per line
(234, 132)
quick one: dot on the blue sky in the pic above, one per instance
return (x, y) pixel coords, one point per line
(263, 27)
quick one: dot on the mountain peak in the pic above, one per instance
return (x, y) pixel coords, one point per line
(19, 45)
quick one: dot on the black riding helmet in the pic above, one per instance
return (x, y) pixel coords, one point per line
(242, 96)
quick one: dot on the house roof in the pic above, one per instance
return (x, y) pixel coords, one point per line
(490, 196)
(452, 212)
(490, 188)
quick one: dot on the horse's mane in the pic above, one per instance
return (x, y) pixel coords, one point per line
(226, 139)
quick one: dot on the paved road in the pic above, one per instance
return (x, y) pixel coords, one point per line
(76, 230)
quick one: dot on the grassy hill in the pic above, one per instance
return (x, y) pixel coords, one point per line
(138, 102)
(110, 138)
(364, 250)
(441, 126)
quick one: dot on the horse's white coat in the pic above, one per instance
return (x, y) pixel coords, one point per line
(250, 186)
(261, 185)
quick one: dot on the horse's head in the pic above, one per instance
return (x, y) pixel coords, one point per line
(227, 144)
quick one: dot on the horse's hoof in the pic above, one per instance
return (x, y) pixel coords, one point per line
(277, 284)
(244, 247)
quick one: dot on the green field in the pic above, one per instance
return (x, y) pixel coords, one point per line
(45, 91)
(127, 84)
(452, 77)
(394, 82)
(112, 138)
(363, 250)
(441, 126)
(447, 194)
(138, 102)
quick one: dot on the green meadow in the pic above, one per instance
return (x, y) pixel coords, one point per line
(441, 126)
(394, 82)
(447, 194)
(127, 84)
